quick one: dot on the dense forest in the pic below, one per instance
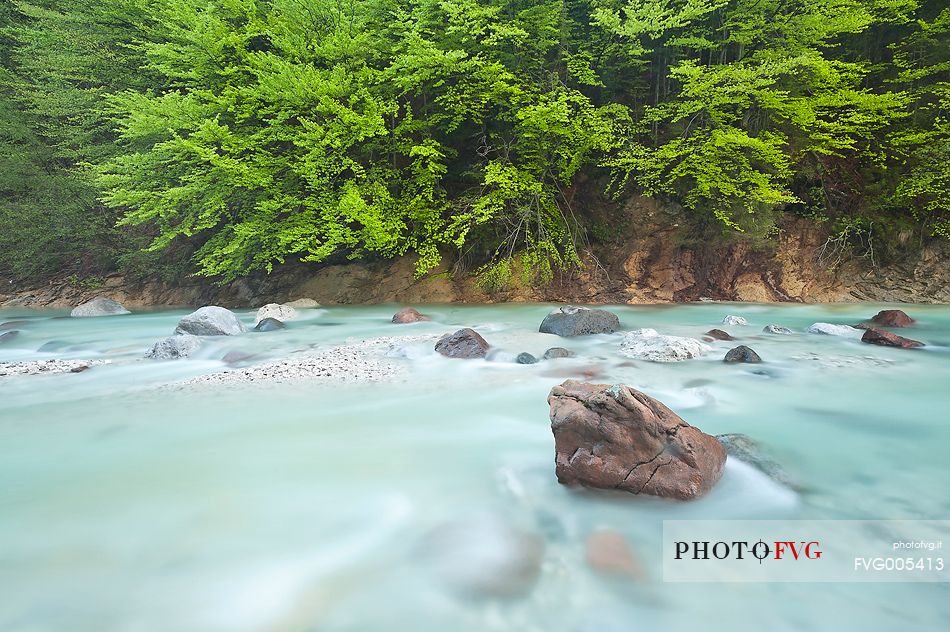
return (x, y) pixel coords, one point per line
(221, 137)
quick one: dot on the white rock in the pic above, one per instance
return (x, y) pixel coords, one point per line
(99, 307)
(647, 344)
(835, 330)
(283, 313)
(734, 320)
(211, 321)
(303, 303)
(174, 347)
(778, 329)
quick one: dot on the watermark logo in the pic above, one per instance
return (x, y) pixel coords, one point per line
(805, 550)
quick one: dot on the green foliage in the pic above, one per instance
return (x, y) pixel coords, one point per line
(245, 133)
(924, 147)
(57, 61)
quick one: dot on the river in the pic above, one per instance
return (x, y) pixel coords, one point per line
(129, 504)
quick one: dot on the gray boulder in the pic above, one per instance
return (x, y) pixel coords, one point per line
(742, 353)
(99, 307)
(558, 352)
(579, 321)
(174, 347)
(778, 330)
(464, 343)
(211, 321)
(734, 320)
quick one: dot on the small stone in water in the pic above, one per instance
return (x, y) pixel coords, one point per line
(742, 353)
(526, 358)
(558, 352)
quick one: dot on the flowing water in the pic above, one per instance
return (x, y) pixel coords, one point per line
(381, 506)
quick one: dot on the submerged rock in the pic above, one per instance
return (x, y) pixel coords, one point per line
(303, 303)
(778, 329)
(558, 352)
(744, 448)
(275, 311)
(12, 324)
(99, 307)
(579, 321)
(501, 356)
(734, 320)
(647, 344)
(270, 324)
(526, 358)
(174, 347)
(211, 321)
(483, 557)
(829, 329)
(742, 353)
(464, 343)
(887, 339)
(608, 552)
(409, 315)
(719, 334)
(615, 437)
(52, 345)
(582, 372)
(237, 357)
(9, 336)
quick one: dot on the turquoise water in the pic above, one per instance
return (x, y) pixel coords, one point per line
(128, 506)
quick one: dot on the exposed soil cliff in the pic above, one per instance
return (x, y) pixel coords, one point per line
(652, 256)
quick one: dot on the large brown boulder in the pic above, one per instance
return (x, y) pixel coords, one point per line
(615, 437)
(887, 339)
(464, 343)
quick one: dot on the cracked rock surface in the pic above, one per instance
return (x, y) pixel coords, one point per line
(615, 437)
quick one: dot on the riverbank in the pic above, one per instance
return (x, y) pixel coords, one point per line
(653, 256)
